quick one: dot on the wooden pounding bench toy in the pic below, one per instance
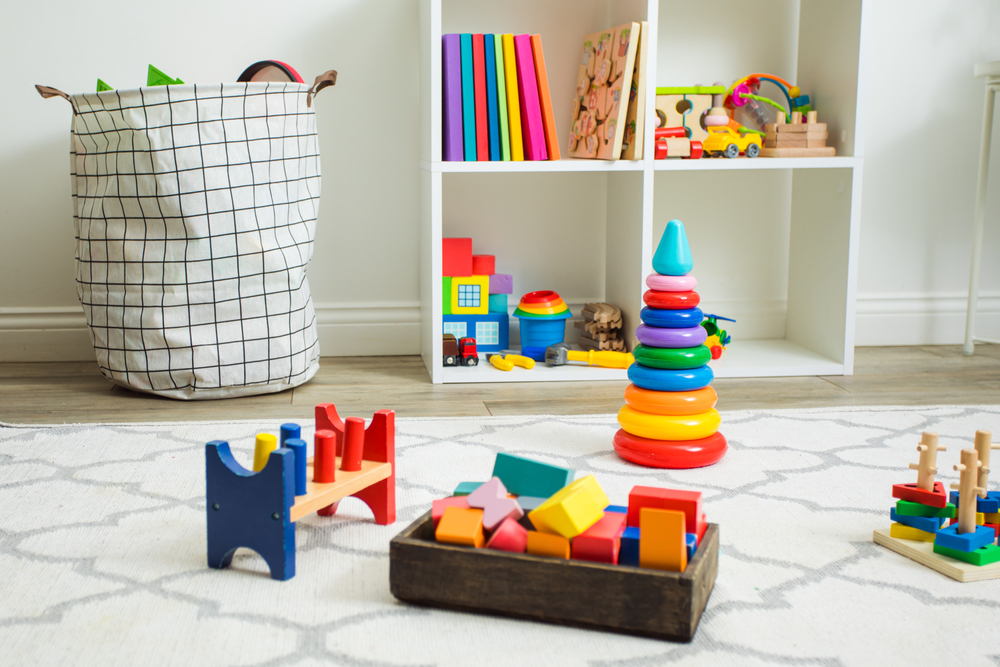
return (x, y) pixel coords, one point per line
(531, 543)
(258, 509)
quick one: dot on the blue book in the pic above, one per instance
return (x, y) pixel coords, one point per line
(491, 98)
(468, 100)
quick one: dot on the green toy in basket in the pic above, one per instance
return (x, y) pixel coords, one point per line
(543, 318)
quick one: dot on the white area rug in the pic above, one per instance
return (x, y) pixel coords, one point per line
(102, 549)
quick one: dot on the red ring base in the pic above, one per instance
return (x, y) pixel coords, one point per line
(674, 454)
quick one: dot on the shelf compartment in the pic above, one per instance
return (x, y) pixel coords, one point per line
(772, 358)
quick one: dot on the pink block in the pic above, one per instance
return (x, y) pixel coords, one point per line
(439, 506)
(501, 283)
(510, 536)
(484, 265)
(487, 493)
(498, 511)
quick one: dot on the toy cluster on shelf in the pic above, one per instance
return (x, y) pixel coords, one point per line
(474, 301)
(532, 507)
(601, 327)
(497, 105)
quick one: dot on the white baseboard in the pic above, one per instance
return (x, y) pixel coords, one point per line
(60, 333)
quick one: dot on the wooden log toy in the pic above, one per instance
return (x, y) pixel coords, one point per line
(258, 509)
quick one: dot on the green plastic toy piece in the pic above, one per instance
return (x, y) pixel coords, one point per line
(465, 488)
(524, 477)
(692, 90)
(804, 109)
(101, 86)
(907, 508)
(158, 78)
(746, 130)
(446, 295)
(982, 556)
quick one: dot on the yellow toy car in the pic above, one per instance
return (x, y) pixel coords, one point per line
(723, 140)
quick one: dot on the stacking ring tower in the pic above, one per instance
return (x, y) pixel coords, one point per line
(670, 420)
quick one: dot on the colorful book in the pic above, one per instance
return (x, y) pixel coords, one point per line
(451, 56)
(607, 63)
(482, 119)
(493, 114)
(468, 100)
(531, 111)
(502, 99)
(636, 115)
(513, 99)
(544, 99)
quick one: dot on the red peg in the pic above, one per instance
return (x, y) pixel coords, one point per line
(325, 461)
(354, 444)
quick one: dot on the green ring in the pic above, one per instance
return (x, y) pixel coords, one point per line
(672, 358)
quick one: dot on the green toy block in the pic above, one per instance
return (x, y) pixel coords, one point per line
(498, 303)
(981, 556)
(465, 488)
(101, 86)
(907, 508)
(691, 90)
(446, 295)
(524, 477)
(157, 78)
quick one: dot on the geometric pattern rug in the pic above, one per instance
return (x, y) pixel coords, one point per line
(102, 549)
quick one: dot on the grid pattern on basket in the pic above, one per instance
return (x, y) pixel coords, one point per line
(195, 211)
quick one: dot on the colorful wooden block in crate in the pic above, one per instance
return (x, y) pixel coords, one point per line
(965, 550)
(670, 420)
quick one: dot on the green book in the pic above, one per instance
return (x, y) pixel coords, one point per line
(502, 101)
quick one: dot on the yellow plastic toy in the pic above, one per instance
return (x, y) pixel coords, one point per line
(507, 363)
(669, 427)
(557, 355)
(723, 140)
(572, 510)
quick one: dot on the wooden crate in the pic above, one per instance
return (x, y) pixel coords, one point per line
(631, 600)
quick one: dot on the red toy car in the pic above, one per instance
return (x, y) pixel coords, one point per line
(460, 352)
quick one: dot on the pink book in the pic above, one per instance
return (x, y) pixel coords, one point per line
(532, 128)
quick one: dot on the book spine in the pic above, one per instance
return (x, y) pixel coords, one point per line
(451, 57)
(502, 99)
(527, 88)
(513, 99)
(493, 113)
(468, 100)
(482, 119)
(545, 101)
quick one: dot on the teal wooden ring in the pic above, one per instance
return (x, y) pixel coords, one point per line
(682, 358)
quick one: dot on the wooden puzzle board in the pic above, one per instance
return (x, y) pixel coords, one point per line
(923, 553)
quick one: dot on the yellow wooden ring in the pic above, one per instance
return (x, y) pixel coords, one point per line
(671, 402)
(669, 427)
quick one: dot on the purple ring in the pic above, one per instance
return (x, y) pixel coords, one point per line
(663, 337)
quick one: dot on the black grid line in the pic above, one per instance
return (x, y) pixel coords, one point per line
(195, 210)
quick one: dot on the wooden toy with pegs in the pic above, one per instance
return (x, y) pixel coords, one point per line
(258, 509)
(926, 491)
(797, 138)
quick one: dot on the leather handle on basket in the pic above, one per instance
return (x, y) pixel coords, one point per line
(48, 91)
(328, 78)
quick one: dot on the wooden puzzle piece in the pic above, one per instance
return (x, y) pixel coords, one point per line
(952, 537)
(904, 532)
(924, 523)
(908, 508)
(936, 498)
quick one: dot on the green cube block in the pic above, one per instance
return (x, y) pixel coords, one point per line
(446, 295)
(524, 477)
(465, 488)
(907, 508)
(498, 303)
(982, 556)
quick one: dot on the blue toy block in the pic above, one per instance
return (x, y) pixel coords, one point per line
(620, 509)
(988, 505)
(250, 509)
(928, 524)
(529, 503)
(524, 477)
(692, 544)
(498, 303)
(628, 549)
(465, 488)
(949, 537)
(491, 331)
(298, 447)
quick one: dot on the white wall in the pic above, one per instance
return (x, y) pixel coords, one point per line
(924, 115)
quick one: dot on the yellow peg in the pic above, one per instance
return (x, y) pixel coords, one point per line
(266, 443)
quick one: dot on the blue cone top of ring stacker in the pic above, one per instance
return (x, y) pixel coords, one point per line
(673, 254)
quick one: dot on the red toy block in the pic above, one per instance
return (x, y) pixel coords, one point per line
(484, 265)
(456, 258)
(996, 529)
(936, 498)
(688, 502)
(439, 506)
(509, 536)
(600, 542)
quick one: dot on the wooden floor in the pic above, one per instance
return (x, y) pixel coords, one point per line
(39, 393)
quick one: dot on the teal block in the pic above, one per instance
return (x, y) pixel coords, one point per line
(498, 303)
(465, 488)
(446, 295)
(524, 477)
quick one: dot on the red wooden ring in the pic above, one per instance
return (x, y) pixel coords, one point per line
(674, 454)
(671, 300)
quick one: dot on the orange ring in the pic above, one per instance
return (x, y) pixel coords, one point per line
(671, 402)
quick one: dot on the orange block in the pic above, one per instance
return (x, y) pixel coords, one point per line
(662, 540)
(461, 526)
(544, 544)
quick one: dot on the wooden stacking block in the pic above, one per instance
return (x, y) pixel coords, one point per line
(662, 540)
(543, 544)
(439, 506)
(909, 508)
(461, 526)
(572, 510)
(951, 538)
(628, 546)
(498, 303)
(600, 542)
(525, 477)
(484, 265)
(456, 257)
(688, 502)
(936, 498)
(904, 532)
(509, 536)
(828, 151)
(991, 517)
(797, 128)
(465, 488)
(501, 283)
(492, 498)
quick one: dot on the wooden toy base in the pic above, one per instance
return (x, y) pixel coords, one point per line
(828, 151)
(348, 483)
(617, 598)
(923, 553)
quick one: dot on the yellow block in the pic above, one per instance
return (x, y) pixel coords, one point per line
(572, 510)
(543, 544)
(461, 526)
(980, 518)
(266, 443)
(992, 517)
(479, 293)
(910, 533)
(661, 539)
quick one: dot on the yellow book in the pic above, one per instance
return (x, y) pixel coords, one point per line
(513, 102)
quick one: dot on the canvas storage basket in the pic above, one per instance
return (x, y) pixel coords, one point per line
(195, 212)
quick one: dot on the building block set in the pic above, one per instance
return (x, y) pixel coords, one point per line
(474, 297)
(496, 534)
(670, 420)
(966, 549)
(258, 509)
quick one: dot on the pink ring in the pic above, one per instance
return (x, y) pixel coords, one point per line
(671, 283)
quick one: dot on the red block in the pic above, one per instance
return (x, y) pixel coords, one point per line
(479, 79)
(688, 502)
(439, 506)
(456, 257)
(354, 444)
(484, 265)
(325, 459)
(936, 498)
(995, 527)
(600, 542)
(509, 536)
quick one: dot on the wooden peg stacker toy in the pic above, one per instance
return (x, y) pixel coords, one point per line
(258, 509)
(926, 491)
(965, 540)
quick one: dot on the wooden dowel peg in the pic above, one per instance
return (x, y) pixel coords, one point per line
(354, 444)
(325, 459)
